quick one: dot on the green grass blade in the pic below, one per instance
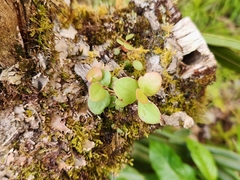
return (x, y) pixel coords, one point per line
(227, 174)
(226, 57)
(226, 162)
(216, 40)
(223, 152)
(225, 158)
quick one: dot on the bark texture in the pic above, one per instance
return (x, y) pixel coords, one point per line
(8, 33)
(46, 128)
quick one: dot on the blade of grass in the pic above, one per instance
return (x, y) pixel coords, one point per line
(225, 157)
(226, 57)
(224, 152)
(226, 162)
(216, 40)
(227, 174)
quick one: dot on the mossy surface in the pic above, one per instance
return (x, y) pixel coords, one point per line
(68, 141)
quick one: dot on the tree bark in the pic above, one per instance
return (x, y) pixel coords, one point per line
(8, 33)
(47, 129)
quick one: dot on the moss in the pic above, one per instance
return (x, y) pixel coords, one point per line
(28, 113)
(184, 96)
(136, 54)
(41, 25)
(65, 76)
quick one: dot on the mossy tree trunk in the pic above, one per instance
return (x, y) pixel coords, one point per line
(47, 48)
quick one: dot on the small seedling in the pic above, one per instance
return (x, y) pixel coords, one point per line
(125, 46)
(124, 91)
(137, 65)
(99, 98)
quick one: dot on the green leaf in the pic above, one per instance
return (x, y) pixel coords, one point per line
(149, 113)
(150, 176)
(128, 46)
(129, 173)
(227, 174)
(182, 133)
(227, 162)
(113, 79)
(106, 79)
(203, 159)
(150, 83)
(216, 40)
(119, 41)
(125, 89)
(225, 158)
(94, 75)
(99, 106)
(112, 102)
(233, 158)
(129, 36)
(96, 92)
(179, 136)
(167, 164)
(120, 104)
(137, 65)
(116, 51)
(226, 57)
(141, 97)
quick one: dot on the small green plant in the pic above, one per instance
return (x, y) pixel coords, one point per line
(125, 46)
(137, 65)
(99, 97)
(107, 91)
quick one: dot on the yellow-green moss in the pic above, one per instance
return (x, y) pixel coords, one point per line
(41, 25)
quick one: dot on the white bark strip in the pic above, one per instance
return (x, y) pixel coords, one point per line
(188, 37)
